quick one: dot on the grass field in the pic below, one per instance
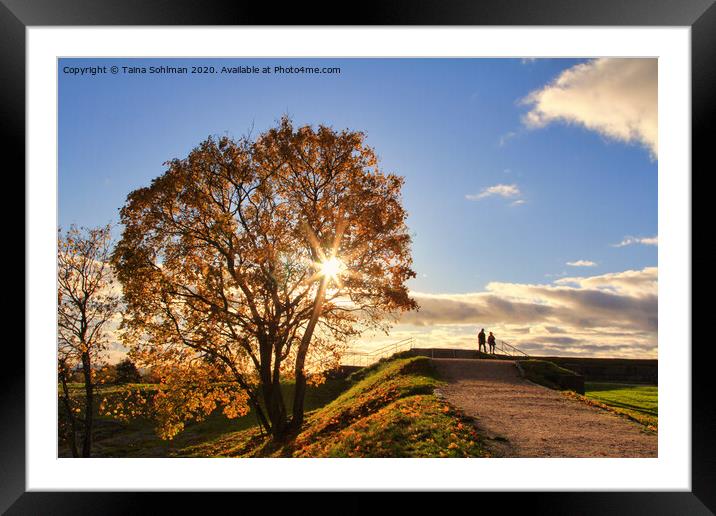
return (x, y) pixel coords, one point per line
(637, 401)
(386, 410)
(137, 438)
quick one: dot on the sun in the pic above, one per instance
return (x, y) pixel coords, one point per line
(331, 268)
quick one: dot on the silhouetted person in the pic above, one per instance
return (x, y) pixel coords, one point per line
(481, 341)
(491, 342)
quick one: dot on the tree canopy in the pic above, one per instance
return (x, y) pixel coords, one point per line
(250, 261)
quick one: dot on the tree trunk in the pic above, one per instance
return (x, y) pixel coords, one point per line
(298, 399)
(276, 410)
(300, 392)
(70, 415)
(89, 405)
(271, 391)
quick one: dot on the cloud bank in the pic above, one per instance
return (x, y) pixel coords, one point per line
(615, 97)
(612, 314)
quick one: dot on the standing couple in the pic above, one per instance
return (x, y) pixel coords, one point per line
(490, 341)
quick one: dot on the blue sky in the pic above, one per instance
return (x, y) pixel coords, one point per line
(452, 127)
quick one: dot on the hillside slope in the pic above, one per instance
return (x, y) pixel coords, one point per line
(388, 411)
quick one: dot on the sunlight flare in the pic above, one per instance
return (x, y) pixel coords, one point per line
(331, 268)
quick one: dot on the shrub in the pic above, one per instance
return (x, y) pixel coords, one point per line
(127, 372)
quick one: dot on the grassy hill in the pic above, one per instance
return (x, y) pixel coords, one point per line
(544, 372)
(385, 410)
(388, 410)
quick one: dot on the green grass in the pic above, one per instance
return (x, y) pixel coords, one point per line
(640, 402)
(388, 411)
(137, 437)
(544, 372)
(385, 410)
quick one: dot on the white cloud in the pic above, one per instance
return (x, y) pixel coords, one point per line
(582, 263)
(501, 190)
(630, 240)
(615, 97)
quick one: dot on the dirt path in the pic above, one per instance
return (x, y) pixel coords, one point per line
(521, 419)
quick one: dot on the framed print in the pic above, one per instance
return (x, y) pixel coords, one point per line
(445, 248)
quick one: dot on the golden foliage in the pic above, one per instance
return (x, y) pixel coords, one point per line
(220, 260)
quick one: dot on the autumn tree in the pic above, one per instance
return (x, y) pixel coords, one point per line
(255, 260)
(85, 304)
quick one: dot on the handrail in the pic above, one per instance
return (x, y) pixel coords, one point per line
(391, 345)
(501, 348)
(367, 358)
(511, 347)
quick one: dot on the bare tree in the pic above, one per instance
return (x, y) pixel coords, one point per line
(85, 304)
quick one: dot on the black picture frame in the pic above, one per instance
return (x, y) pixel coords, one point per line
(700, 15)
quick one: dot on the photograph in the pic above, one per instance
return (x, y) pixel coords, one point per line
(358, 257)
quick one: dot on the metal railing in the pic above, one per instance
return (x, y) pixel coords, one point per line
(505, 348)
(354, 358)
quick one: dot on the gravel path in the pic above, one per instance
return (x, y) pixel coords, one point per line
(521, 419)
